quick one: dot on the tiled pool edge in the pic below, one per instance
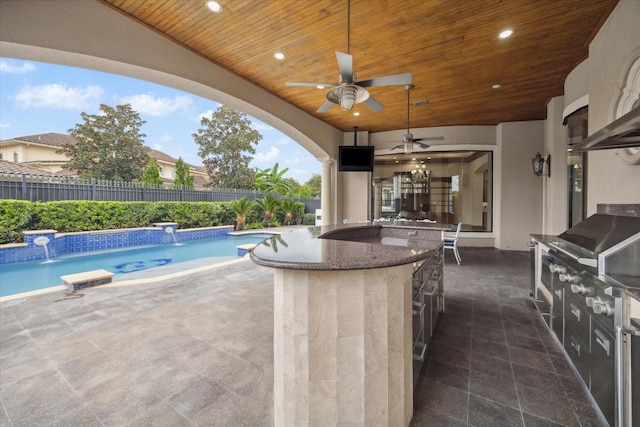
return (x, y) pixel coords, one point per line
(87, 241)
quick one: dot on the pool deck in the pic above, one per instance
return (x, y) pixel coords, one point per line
(198, 350)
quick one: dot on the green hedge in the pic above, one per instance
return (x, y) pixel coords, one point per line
(17, 216)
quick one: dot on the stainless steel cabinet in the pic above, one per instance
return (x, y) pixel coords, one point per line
(428, 302)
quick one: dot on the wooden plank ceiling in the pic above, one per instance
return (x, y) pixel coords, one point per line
(450, 46)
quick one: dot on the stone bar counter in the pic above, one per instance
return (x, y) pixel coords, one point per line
(343, 342)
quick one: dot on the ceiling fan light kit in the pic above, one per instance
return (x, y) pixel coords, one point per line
(349, 92)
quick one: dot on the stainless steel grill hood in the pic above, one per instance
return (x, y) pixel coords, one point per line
(621, 133)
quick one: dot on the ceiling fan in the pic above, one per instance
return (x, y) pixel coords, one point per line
(408, 141)
(349, 92)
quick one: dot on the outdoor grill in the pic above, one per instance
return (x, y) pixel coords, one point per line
(592, 265)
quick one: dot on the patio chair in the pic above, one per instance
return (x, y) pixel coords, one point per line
(451, 242)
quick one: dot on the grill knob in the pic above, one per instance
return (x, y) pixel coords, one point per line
(569, 278)
(554, 268)
(602, 308)
(580, 289)
(590, 301)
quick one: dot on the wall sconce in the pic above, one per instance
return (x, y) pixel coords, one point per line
(538, 165)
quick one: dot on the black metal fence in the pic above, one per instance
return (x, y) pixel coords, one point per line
(53, 188)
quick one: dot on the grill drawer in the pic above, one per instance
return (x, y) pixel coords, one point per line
(577, 319)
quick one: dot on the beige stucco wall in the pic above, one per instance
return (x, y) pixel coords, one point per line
(29, 152)
(520, 192)
(554, 187)
(614, 48)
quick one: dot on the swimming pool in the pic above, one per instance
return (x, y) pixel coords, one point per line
(28, 276)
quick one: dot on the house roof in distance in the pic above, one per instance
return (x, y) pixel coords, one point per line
(53, 139)
(17, 168)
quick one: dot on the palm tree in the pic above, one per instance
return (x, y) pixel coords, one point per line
(268, 205)
(289, 206)
(241, 208)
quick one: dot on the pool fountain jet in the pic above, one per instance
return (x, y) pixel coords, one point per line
(170, 230)
(43, 241)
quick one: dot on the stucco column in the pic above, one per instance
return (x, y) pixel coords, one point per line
(326, 196)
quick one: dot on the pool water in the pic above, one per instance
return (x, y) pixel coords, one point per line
(29, 276)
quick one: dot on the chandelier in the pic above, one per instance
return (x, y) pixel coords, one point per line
(420, 173)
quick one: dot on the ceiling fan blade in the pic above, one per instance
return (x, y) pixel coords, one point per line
(345, 62)
(396, 147)
(397, 79)
(309, 84)
(373, 104)
(325, 107)
(429, 138)
(421, 145)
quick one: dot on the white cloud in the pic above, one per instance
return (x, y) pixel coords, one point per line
(269, 156)
(206, 114)
(58, 95)
(4, 125)
(166, 138)
(24, 68)
(148, 103)
(157, 147)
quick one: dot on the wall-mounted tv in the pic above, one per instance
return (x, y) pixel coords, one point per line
(353, 158)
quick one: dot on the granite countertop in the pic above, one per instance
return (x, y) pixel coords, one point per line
(318, 248)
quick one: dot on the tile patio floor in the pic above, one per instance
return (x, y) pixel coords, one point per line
(197, 350)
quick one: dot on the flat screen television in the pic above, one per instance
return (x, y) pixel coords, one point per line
(353, 158)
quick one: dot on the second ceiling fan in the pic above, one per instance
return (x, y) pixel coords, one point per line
(408, 141)
(349, 92)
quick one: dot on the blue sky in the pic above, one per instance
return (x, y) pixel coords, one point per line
(37, 98)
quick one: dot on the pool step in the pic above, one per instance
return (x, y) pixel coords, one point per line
(245, 249)
(86, 279)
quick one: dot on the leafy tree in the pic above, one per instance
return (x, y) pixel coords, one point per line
(182, 177)
(241, 208)
(108, 145)
(295, 187)
(151, 174)
(315, 185)
(304, 192)
(226, 142)
(271, 180)
(268, 205)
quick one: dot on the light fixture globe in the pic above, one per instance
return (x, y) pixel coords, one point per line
(408, 147)
(347, 95)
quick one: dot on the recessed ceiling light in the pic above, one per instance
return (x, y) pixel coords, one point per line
(496, 86)
(279, 56)
(320, 87)
(505, 34)
(356, 113)
(214, 6)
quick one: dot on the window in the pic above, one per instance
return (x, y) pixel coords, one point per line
(448, 187)
(1, 156)
(577, 124)
(15, 157)
(160, 170)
